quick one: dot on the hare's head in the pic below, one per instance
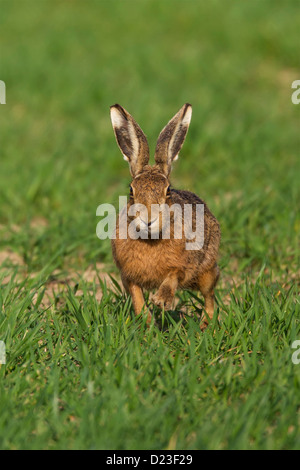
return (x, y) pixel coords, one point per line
(150, 185)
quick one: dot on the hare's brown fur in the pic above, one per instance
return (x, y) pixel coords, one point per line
(163, 264)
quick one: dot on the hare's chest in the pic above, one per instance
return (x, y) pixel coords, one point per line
(147, 263)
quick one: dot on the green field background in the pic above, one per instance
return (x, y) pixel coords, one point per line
(82, 374)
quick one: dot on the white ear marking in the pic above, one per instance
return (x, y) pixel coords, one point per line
(116, 117)
(134, 140)
(188, 116)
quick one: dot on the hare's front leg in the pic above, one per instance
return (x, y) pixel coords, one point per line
(165, 294)
(138, 300)
(207, 282)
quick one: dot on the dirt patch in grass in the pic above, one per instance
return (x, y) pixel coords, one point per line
(10, 258)
(11, 263)
(91, 280)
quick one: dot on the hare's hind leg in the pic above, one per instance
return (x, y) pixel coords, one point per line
(138, 300)
(207, 282)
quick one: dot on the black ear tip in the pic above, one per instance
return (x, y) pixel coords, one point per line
(121, 110)
(116, 106)
(186, 111)
(187, 106)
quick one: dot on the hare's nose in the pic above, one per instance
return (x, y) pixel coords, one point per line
(148, 223)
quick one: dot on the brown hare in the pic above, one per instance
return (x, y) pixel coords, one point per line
(151, 260)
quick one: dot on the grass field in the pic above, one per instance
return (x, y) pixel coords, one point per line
(81, 372)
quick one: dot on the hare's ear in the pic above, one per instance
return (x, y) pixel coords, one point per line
(171, 138)
(130, 138)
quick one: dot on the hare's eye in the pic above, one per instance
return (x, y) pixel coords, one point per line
(131, 191)
(168, 193)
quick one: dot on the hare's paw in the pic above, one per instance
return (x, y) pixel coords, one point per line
(163, 298)
(203, 325)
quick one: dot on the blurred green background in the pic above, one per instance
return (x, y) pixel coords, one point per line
(65, 62)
